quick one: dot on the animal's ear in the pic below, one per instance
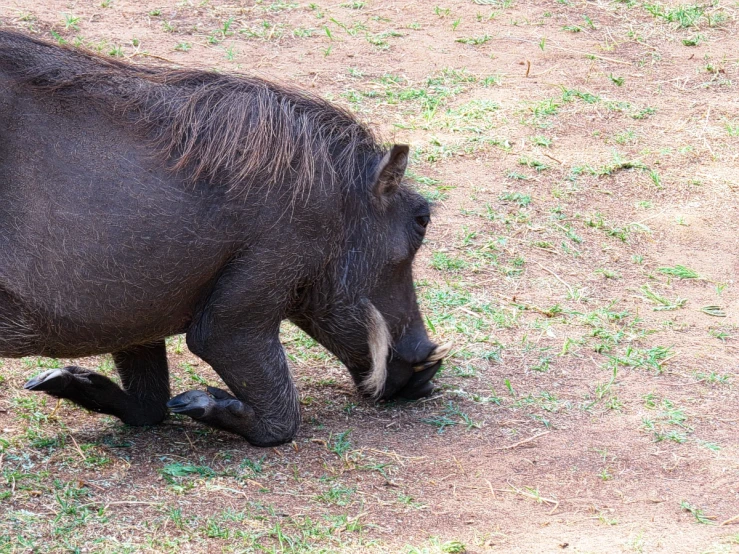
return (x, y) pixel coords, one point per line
(390, 171)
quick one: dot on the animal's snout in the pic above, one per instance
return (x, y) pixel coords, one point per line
(437, 354)
(419, 384)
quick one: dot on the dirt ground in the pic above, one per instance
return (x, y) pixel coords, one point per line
(582, 158)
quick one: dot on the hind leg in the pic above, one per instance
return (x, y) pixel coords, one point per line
(141, 401)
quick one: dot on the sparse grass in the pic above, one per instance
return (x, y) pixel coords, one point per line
(71, 22)
(680, 271)
(474, 41)
(697, 513)
(568, 170)
(662, 302)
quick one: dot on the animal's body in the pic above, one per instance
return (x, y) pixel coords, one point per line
(139, 203)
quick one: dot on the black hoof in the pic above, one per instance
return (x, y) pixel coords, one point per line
(193, 403)
(54, 380)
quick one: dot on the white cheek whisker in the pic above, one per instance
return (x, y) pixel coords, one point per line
(379, 340)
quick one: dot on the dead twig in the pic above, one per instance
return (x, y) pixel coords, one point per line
(492, 490)
(569, 288)
(147, 55)
(540, 499)
(56, 408)
(119, 503)
(731, 520)
(571, 50)
(88, 484)
(255, 483)
(553, 158)
(524, 441)
(79, 450)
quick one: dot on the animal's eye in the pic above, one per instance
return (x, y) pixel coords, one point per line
(423, 220)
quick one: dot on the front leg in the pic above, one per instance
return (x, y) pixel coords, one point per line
(250, 360)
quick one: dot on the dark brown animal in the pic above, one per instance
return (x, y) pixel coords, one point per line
(138, 203)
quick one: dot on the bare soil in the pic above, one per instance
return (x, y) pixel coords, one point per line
(574, 150)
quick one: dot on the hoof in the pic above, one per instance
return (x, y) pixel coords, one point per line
(193, 403)
(53, 380)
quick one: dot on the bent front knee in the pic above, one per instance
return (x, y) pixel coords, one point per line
(275, 433)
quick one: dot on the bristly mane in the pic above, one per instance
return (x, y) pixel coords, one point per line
(237, 130)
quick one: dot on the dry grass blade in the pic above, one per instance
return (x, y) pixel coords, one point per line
(524, 441)
(532, 494)
(715, 311)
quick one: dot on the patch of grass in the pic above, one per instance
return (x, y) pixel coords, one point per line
(719, 334)
(608, 273)
(176, 472)
(452, 416)
(699, 515)
(541, 140)
(340, 443)
(695, 40)
(685, 15)
(337, 495)
(663, 303)
(732, 129)
(515, 197)
(625, 137)
(713, 378)
(441, 422)
(643, 113)
(443, 262)
(618, 164)
(71, 22)
(474, 41)
(650, 358)
(491, 81)
(538, 165)
(570, 94)
(597, 221)
(679, 271)
(543, 110)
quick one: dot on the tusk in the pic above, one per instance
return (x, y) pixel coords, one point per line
(440, 352)
(423, 366)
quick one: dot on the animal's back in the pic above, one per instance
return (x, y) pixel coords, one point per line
(126, 190)
(100, 246)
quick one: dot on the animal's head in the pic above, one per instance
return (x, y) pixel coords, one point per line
(403, 358)
(373, 323)
(365, 311)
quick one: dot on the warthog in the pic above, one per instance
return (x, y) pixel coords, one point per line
(139, 203)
